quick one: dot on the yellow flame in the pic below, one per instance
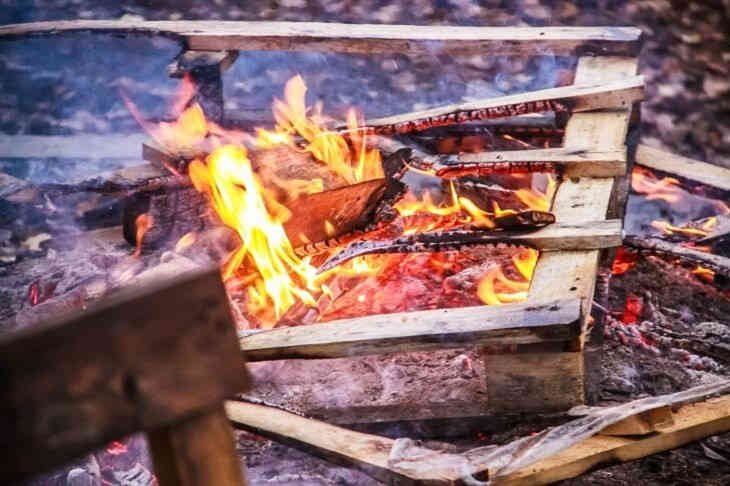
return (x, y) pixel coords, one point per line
(242, 204)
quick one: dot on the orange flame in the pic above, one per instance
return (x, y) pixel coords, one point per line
(143, 223)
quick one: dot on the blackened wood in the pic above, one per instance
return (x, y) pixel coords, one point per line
(147, 357)
(616, 94)
(198, 451)
(422, 330)
(218, 35)
(717, 263)
(558, 236)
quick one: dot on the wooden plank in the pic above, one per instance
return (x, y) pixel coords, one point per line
(411, 331)
(621, 91)
(81, 146)
(145, 358)
(366, 452)
(217, 35)
(683, 167)
(584, 199)
(643, 423)
(570, 273)
(691, 422)
(198, 451)
(573, 162)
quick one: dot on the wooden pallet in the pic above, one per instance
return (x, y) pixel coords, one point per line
(534, 352)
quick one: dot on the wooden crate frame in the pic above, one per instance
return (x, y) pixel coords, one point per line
(532, 366)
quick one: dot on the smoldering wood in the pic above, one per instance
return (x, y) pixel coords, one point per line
(144, 358)
(614, 94)
(684, 168)
(422, 330)
(558, 236)
(655, 246)
(357, 38)
(177, 208)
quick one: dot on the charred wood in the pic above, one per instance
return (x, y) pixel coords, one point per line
(691, 256)
(591, 235)
(575, 98)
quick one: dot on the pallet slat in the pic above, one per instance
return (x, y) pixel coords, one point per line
(683, 167)
(574, 162)
(412, 331)
(582, 96)
(359, 38)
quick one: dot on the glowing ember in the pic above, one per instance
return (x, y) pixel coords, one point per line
(264, 270)
(624, 261)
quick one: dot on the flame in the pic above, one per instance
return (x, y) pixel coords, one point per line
(537, 198)
(143, 223)
(703, 273)
(354, 162)
(264, 267)
(666, 189)
(265, 257)
(495, 288)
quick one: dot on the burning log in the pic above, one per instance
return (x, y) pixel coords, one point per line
(662, 248)
(559, 236)
(423, 330)
(575, 98)
(720, 233)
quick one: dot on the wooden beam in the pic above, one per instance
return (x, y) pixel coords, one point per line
(586, 95)
(148, 357)
(218, 35)
(82, 146)
(691, 422)
(572, 162)
(366, 452)
(411, 331)
(683, 167)
(199, 451)
(717, 263)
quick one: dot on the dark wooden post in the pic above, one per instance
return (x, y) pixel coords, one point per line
(160, 359)
(205, 68)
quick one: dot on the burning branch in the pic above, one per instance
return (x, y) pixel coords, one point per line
(656, 246)
(575, 98)
(559, 236)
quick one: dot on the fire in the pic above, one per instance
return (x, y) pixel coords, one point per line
(495, 288)
(264, 267)
(353, 161)
(667, 188)
(265, 258)
(143, 223)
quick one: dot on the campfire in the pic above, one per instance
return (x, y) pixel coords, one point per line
(451, 267)
(290, 267)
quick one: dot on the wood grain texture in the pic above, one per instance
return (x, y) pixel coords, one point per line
(596, 94)
(573, 162)
(683, 167)
(359, 38)
(198, 451)
(691, 422)
(145, 358)
(412, 331)
(366, 452)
